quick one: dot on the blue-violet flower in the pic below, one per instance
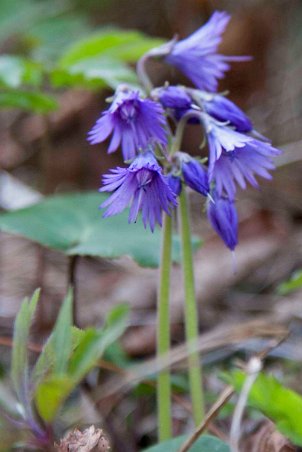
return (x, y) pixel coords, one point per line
(134, 122)
(195, 176)
(223, 109)
(243, 165)
(141, 185)
(196, 55)
(222, 216)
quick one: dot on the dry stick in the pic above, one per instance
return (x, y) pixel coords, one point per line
(212, 413)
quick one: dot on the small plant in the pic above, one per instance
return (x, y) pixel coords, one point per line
(66, 358)
(148, 124)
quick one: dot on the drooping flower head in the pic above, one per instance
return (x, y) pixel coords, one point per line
(196, 56)
(175, 99)
(224, 110)
(221, 138)
(222, 216)
(134, 122)
(195, 175)
(143, 187)
(241, 165)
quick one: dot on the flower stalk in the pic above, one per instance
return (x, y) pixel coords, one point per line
(163, 333)
(191, 317)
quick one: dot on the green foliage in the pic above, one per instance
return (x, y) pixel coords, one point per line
(282, 405)
(73, 224)
(71, 364)
(68, 355)
(94, 73)
(19, 369)
(294, 283)
(62, 336)
(27, 100)
(16, 71)
(205, 443)
(123, 45)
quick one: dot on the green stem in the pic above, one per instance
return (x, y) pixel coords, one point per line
(163, 333)
(191, 317)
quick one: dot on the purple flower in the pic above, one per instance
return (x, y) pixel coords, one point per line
(241, 165)
(174, 183)
(222, 216)
(177, 101)
(141, 185)
(222, 109)
(221, 138)
(196, 55)
(195, 176)
(134, 122)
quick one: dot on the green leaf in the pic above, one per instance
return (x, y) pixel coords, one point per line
(205, 443)
(282, 405)
(294, 283)
(51, 35)
(94, 342)
(51, 394)
(94, 73)
(19, 369)
(45, 363)
(74, 224)
(122, 45)
(19, 16)
(27, 100)
(62, 335)
(16, 71)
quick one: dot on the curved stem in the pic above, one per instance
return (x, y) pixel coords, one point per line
(142, 73)
(163, 333)
(191, 317)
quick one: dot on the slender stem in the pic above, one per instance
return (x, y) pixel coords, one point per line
(72, 282)
(142, 73)
(191, 318)
(163, 333)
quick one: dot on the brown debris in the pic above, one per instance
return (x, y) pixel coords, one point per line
(267, 439)
(91, 439)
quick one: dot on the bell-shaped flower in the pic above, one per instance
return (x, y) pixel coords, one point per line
(224, 110)
(223, 218)
(195, 175)
(134, 123)
(196, 56)
(143, 187)
(242, 165)
(221, 138)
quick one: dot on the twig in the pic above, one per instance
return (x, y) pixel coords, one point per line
(212, 413)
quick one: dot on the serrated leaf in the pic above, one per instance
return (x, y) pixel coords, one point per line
(120, 44)
(74, 224)
(27, 100)
(294, 283)
(16, 71)
(94, 73)
(206, 443)
(62, 336)
(19, 368)
(51, 394)
(282, 405)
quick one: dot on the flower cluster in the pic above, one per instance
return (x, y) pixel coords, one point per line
(141, 123)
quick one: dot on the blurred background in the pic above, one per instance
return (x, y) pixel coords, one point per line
(42, 154)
